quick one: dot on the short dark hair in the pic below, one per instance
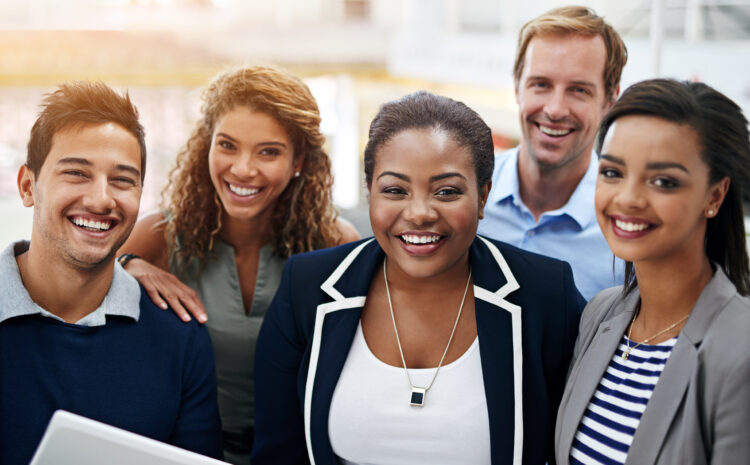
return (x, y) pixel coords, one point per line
(81, 102)
(725, 148)
(423, 110)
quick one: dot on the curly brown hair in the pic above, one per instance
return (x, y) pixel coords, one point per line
(300, 222)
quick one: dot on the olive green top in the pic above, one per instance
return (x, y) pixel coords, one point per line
(233, 333)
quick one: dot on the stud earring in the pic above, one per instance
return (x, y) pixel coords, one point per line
(296, 174)
(710, 213)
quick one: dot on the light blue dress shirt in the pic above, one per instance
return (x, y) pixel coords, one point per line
(570, 233)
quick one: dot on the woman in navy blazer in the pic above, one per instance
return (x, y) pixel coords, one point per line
(406, 293)
(661, 373)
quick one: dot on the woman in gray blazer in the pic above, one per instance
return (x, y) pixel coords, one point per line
(661, 368)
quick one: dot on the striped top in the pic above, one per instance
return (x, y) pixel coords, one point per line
(609, 423)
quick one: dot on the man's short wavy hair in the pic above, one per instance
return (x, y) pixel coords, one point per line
(78, 103)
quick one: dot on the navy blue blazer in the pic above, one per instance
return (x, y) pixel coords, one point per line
(527, 311)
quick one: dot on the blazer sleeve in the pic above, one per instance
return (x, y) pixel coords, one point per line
(732, 420)
(572, 306)
(198, 427)
(279, 422)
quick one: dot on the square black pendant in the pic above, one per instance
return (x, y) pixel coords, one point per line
(417, 397)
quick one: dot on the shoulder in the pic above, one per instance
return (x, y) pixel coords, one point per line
(347, 230)
(726, 343)
(525, 263)
(602, 306)
(544, 284)
(148, 239)
(326, 259)
(167, 325)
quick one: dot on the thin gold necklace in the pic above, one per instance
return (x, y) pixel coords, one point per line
(626, 353)
(418, 393)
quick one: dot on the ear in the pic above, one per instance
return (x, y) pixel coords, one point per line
(612, 100)
(299, 162)
(716, 195)
(26, 182)
(515, 90)
(484, 194)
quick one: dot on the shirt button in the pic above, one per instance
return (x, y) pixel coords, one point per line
(530, 233)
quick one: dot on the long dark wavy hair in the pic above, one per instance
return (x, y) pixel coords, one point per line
(725, 148)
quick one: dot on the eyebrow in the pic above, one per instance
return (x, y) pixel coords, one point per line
(656, 165)
(86, 162)
(437, 177)
(227, 136)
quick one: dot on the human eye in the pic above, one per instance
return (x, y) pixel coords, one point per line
(393, 191)
(124, 181)
(75, 174)
(448, 193)
(665, 182)
(539, 85)
(225, 144)
(609, 172)
(270, 151)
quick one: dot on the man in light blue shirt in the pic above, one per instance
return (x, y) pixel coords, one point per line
(566, 74)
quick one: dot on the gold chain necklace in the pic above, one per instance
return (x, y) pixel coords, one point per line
(418, 393)
(626, 353)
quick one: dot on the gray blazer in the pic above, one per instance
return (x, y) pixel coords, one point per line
(699, 412)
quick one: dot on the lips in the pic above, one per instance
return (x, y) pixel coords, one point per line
(92, 224)
(554, 132)
(629, 227)
(243, 191)
(420, 243)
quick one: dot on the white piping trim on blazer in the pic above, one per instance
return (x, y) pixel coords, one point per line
(340, 303)
(498, 298)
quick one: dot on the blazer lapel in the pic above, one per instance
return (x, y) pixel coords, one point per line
(335, 324)
(500, 348)
(589, 370)
(664, 402)
(674, 380)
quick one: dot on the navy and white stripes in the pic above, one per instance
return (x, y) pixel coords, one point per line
(609, 423)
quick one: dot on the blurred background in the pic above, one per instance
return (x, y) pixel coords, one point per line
(354, 55)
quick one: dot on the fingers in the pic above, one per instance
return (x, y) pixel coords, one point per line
(177, 307)
(153, 294)
(166, 290)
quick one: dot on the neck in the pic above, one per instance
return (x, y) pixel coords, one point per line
(438, 285)
(544, 190)
(669, 290)
(66, 291)
(245, 234)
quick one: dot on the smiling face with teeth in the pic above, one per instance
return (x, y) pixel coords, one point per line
(251, 162)
(653, 191)
(561, 99)
(86, 196)
(425, 203)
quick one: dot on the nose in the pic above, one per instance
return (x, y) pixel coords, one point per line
(99, 197)
(245, 166)
(630, 195)
(420, 211)
(556, 107)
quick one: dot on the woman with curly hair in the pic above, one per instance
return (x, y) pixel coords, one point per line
(251, 187)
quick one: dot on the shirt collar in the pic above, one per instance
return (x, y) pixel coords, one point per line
(506, 179)
(122, 299)
(580, 206)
